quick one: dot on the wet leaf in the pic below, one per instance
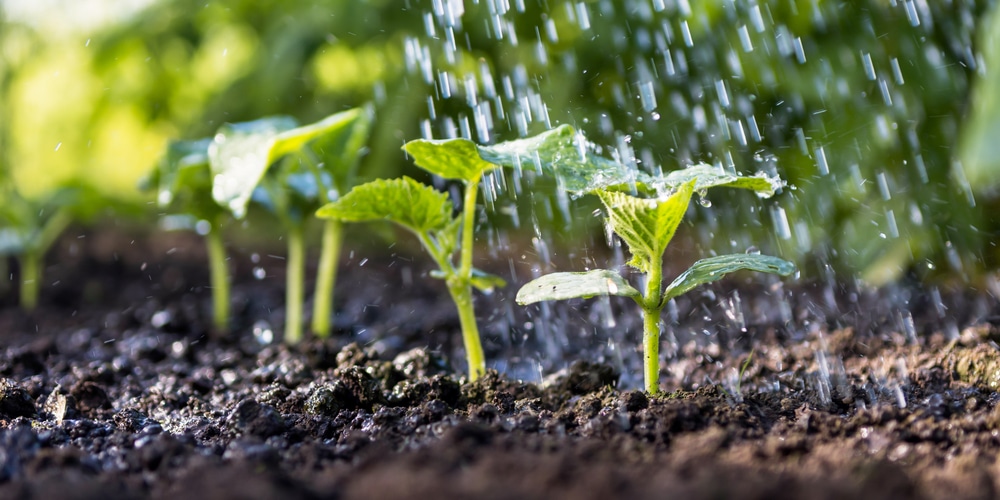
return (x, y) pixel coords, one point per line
(566, 155)
(646, 224)
(418, 207)
(714, 268)
(183, 179)
(707, 176)
(451, 158)
(241, 154)
(561, 286)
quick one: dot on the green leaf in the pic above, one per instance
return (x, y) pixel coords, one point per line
(486, 282)
(707, 176)
(183, 180)
(239, 156)
(342, 144)
(714, 268)
(646, 224)
(562, 286)
(569, 157)
(566, 155)
(450, 158)
(418, 207)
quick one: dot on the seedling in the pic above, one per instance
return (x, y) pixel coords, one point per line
(647, 225)
(29, 227)
(291, 171)
(183, 182)
(427, 213)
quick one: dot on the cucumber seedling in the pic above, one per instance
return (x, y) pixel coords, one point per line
(183, 184)
(30, 226)
(291, 171)
(428, 214)
(647, 225)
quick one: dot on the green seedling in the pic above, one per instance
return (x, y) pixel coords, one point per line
(291, 171)
(428, 214)
(183, 183)
(29, 227)
(647, 225)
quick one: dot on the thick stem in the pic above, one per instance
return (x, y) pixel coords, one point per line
(220, 279)
(31, 277)
(468, 226)
(326, 278)
(294, 283)
(651, 307)
(462, 295)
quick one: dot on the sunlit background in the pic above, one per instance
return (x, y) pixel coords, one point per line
(882, 116)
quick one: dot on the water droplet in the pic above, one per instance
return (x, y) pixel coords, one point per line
(259, 273)
(262, 332)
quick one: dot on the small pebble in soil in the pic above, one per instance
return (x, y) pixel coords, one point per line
(15, 401)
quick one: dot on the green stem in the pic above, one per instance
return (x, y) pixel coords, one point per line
(461, 286)
(326, 277)
(31, 276)
(220, 279)
(468, 226)
(294, 283)
(651, 307)
(462, 295)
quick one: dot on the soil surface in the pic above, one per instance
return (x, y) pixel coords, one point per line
(116, 388)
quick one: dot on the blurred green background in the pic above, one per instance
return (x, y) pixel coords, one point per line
(882, 116)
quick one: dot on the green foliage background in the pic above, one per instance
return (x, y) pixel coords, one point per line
(880, 115)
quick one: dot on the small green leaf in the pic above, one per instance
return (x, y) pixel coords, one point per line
(486, 282)
(714, 268)
(562, 286)
(451, 158)
(183, 180)
(418, 207)
(646, 224)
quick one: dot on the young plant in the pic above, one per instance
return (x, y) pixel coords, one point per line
(291, 171)
(183, 183)
(427, 213)
(29, 227)
(647, 225)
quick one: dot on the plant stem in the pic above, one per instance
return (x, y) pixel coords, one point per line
(461, 287)
(31, 275)
(294, 283)
(220, 279)
(462, 295)
(651, 307)
(326, 277)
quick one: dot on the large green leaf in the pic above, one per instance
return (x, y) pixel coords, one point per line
(565, 155)
(451, 158)
(707, 176)
(568, 156)
(239, 156)
(714, 268)
(646, 224)
(418, 207)
(561, 286)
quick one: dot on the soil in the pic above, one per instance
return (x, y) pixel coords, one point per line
(116, 388)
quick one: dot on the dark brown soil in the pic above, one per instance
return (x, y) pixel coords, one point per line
(115, 388)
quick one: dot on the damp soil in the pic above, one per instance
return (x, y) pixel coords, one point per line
(116, 388)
